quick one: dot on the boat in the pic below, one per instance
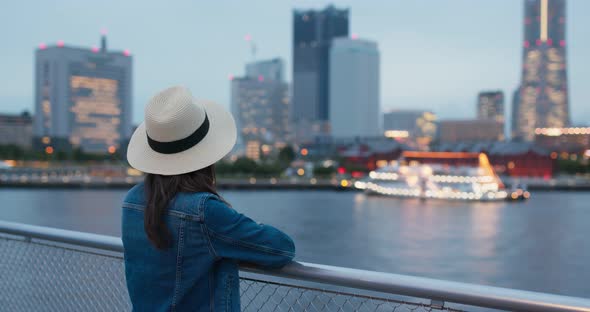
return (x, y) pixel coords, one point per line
(519, 192)
(437, 175)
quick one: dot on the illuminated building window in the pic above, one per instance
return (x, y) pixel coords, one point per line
(253, 150)
(96, 109)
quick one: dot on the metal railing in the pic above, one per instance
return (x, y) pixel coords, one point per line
(58, 270)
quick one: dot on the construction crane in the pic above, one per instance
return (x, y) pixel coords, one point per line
(250, 41)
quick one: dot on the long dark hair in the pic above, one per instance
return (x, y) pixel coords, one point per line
(160, 190)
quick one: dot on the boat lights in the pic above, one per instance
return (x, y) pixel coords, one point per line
(445, 193)
(461, 179)
(383, 175)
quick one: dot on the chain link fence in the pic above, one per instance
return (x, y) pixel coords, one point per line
(45, 276)
(260, 295)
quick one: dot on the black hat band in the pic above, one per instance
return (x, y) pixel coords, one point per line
(181, 145)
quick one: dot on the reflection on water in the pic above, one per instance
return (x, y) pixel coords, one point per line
(541, 244)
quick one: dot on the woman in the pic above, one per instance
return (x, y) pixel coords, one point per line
(182, 241)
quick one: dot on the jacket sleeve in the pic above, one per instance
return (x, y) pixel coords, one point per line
(235, 236)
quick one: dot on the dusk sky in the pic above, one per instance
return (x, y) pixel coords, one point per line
(435, 54)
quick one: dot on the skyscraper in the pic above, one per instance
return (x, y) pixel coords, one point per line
(82, 98)
(261, 107)
(354, 89)
(267, 70)
(313, 32)
(543, 99)
(490, 105)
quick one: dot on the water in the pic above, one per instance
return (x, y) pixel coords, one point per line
(540, 245)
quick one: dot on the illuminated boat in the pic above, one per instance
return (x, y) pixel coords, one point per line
(437, 175)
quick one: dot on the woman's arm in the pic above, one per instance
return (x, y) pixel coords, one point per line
(233, 235)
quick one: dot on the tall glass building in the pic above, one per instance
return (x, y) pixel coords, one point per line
(543, 98)
(82, 98)
(313, 32)
(354, 89)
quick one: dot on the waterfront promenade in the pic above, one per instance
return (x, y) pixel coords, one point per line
(82, 177)
(89, 182)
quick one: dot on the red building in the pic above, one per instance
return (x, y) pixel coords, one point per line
(455, 159)
(370, 154)
(564, 141)
(527, 164)
(519, 159)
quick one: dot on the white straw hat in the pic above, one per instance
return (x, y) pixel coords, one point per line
(181, 134)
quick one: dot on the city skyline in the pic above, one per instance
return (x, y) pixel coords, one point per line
(436, 50)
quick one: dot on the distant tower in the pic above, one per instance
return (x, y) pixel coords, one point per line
(82, 98)
(490, 105)
(354, 89)
(543, 99)
(313, 32)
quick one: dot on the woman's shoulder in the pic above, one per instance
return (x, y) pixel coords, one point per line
(216, 210)
(136, 195)
(190, 202)
(194, 202)
(200, 197)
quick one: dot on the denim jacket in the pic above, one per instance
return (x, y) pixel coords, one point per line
(199, 272)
